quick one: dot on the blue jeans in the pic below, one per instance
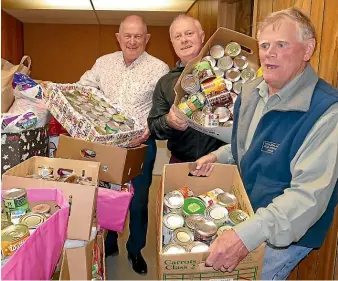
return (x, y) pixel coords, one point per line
(279, 262)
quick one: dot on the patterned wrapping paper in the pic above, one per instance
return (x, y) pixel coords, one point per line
(78, 125)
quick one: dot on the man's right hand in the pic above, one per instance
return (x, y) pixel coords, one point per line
(204, 165)
(175, 121)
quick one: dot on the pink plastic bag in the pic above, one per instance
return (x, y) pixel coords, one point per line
(37, 257)
(112, 208)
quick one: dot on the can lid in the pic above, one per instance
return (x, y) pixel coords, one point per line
(224, 113)
(13, 193)
(198, 247)
(237, 216)
(240, 62)
(206, 228)
(198, 117)
(218, 72)
(233, 74)
(183, 236)
(226, 199)
(41, 208)
(217, 51)
(193, 205)
(173, 248)
(174, 199)
(191, 220)
(210, 59)
(5, 224)
(190, 83)
(233, 49)
(248, 74)
(14, 232)
(225, 63)
(224, 228)
(173, 220)
(216, 212)
(33, 220)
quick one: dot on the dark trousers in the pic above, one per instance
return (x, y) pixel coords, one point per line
(138, 217)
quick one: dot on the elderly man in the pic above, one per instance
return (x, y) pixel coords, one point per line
(129, 78)
(185, 143)
(285, 143)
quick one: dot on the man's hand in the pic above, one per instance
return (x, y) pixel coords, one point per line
(226, 252)
(142, 139)
(204, 165)
(175, 121)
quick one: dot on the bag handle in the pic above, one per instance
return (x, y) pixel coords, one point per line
(28, 59)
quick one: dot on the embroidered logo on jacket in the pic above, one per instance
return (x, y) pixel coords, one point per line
(269, 147)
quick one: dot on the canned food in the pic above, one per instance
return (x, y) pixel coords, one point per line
(237, 216)
(197, 247)
(33, 220)
(205, 231)
(211, 60)
(233, 74)
(217, 51)
(41, 209)
(223, 228)
(5, 224)
(196, 101)
(237, 87)
(227, 200)
(205, 71)
(173, 202)
(214, 86)
(220, 99)
(248, 74)
(210, 198)
(12, 238)
(225, 63)
(233, 49)
(223, 113)
(190, 83)
(15, 199)
(198, 117)
(240, 62)
(190, 221)
(227, 124)
(211, 120)
(45, 171)
(193, 206)
(184, 107)
(183, 236)
(185, 190)
(172, 249)
(4, 217)
(217, 214)
(218, 72)
(171, 221)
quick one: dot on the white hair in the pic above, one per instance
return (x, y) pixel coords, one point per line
(135, 18)
(184, 16)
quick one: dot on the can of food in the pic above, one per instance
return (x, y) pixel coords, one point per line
(185, 191)
(240, 62)
(196, 101)
(237, 87)
(198, 117)
(41, 209)
(15, 199)
(233, 49)
(193, 206)
(225, 63)
(197, 247)
(204, 71)
(171, 221)
(211, 120)
(248, 74)
(217, 51)
(45, 171)
(172, 249)
(223, 228)
(217, 214)
(223, 113)
(210, 198)
(173, 202)
(190, 83)
(33, 220)
(205, 231)
(218, 72)
(237, 216)
(214, 86)
(222, 98)
(5, 224)
(211, 60)
(4, 216)
(227, 200)
(227, 124)
(184, 107)
(190, 221)
(12, 238)
(183, 236)
(233, 75)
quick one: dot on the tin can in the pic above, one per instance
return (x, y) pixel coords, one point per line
(205, 71)
(197, 247)
(218, 72)
(211, 60)
(233, 75)
(225, 63)
(184, 107)
(227, 124)
(5, 224)
(33, 220)
(211, 120)
(183, 236)
(248, 74)
(237, 216)
(214, 86)
(45, 171)
(193, 206)
(190, 221)
(205, 231)
(190, 83)
(171, 221)
(223, 113)
(186, 192)
(237, 87)
(217, 214)
(198, 117)
(222, 98)
(12, 238)
(240, 62)
(15, 199)
(173, 249)
(196, 101)
(210, 198)
(227, 200)
(41, 209)
(4, 216)
(217, 51)
(223, 228)
(173, 202)
(233, 49)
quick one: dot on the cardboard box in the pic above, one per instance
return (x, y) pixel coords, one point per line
(191, 266)
(222, 36)
(83, 196)
(118, 165)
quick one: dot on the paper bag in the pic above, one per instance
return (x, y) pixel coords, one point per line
(7, 73)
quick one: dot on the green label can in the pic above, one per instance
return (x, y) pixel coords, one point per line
(15, 199)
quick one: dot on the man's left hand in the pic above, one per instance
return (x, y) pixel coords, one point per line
(226, 252)
(142, 139)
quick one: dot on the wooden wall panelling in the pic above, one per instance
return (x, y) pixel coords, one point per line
(305, 5)
(282, 4)
(12, 38)
(261, 9)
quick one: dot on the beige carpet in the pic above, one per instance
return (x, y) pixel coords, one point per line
(118, 267)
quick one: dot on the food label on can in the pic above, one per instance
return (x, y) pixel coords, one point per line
(211, 120)
(214, 86)
(220, 99)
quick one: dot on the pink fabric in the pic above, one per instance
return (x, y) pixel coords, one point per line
(37, 257)
(112, 208)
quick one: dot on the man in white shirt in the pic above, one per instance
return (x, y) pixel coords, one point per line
(128, 77)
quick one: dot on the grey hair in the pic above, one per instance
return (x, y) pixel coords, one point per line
(133, 17)
(306, 28)
(184, 16)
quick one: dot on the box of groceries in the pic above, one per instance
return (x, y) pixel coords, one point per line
(87, 114)
(191, 213)
(208, 87)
